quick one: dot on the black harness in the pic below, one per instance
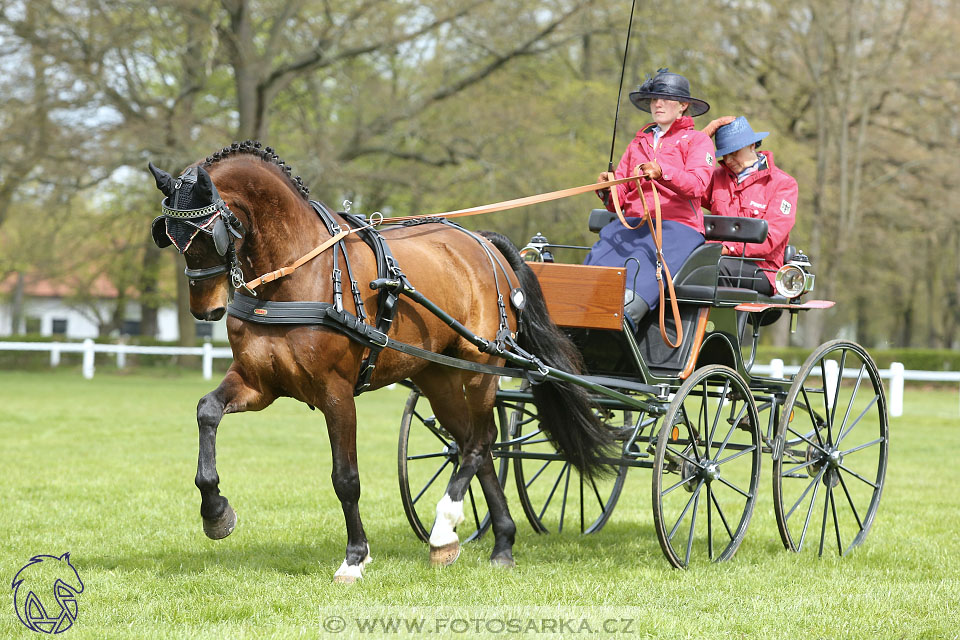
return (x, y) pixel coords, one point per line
(391, 284)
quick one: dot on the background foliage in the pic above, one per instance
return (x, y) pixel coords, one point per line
(416, 107)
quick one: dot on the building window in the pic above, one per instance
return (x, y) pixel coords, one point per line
(130, 328)
(205, 330)
(59, 326)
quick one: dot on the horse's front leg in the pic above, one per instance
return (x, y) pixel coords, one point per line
(232, 396)
(341, 417)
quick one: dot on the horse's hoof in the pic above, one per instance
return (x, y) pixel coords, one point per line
(221, 527)
(345, 579)
(350, 573)
(503, 562)
(446, 555)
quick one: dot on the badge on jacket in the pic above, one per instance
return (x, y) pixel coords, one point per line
(709, 159)
(785, 207)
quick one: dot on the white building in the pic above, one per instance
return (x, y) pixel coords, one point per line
(47, 311)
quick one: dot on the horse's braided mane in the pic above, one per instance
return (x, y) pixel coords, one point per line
(253, 148)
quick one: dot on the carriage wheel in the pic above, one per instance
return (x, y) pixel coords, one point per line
(706, 467)
(830, 451)
(426, 458)
(552, 492)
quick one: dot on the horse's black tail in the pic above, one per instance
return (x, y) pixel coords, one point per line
(565, 410)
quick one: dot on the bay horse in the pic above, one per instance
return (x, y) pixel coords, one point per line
(253, 214)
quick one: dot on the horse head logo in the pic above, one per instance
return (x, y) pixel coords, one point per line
(45, 593)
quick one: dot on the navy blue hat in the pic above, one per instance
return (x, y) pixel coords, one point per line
(671, 86)
(737, 135)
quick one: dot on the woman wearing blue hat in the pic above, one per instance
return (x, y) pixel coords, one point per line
(670, 152)
(747, 183)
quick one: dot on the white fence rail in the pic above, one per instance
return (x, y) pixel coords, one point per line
(89, 349)
(896, 374)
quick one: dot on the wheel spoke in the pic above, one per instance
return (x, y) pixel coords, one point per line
(563, 505)
(836, 394)
(473, 505)
(733, 427)
(427, 456)
(537, 474)
(813, 423)
(812, 484)
(742, 452)
(826, 505)
(863, 446)
(430, 481)
(723, 518)
(859, 418)
(679, 484)
(556, 484)
(709, 523)
(702, 417)
(859, 477)
(746, 495)
(695, 461)
(853, 507)
(836, 522)
(693, 522)
(826, 398)
(819, 447)
(716, 419)
(853, 396)
(435, 431)
(813, 501)
(799, 467)
(676, 525)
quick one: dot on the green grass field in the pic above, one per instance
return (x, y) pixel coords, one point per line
(104, 469)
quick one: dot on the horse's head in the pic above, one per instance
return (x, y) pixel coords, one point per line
(197, 221)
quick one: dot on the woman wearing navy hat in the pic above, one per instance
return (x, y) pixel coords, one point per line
(748, 184)
(680, 159)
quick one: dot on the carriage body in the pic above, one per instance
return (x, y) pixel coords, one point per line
(696, 415)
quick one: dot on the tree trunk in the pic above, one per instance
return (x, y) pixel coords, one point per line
(149, 324)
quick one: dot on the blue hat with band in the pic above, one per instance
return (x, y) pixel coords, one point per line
(737, 135)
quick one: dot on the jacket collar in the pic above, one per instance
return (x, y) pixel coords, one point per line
(685, 122)
(753, 177)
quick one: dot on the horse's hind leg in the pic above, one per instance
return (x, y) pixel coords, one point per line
(469, 418)
(232, 396)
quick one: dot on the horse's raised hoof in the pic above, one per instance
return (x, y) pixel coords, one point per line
(503, 561)
(221, 527)
(446, 555)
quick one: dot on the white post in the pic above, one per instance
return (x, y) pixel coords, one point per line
(776, 368)
(207, 360)
(121, 356)
(833, 379)
(55, 354)
(896, 389)
(88, 362)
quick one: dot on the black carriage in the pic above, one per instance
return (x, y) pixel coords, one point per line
(698, 415)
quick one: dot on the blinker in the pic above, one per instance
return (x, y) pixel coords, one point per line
(221, 238)
(158, 228)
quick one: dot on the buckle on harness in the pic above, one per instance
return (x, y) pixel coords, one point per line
(374, 335)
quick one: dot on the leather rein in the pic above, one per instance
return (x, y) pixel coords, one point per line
(664, 278)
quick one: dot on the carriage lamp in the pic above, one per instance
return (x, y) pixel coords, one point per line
(536, 250)
(794, 278)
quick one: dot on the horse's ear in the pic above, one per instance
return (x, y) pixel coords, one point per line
(205, 185)
(66, 556)
(164, 180)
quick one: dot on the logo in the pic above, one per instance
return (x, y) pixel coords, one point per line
(785, 207)
(45, 594)
(260, 312)
(709, 159)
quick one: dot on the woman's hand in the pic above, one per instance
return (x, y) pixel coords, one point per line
(651, 170)
(606, 176)
(711, 128)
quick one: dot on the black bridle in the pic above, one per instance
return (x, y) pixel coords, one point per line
(215, 220)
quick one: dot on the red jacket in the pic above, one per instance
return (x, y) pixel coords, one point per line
(686, 158)
(770, 194)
